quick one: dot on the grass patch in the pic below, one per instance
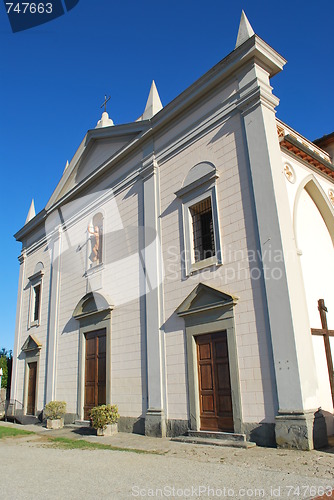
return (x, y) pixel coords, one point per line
(12, 432)
(81, 444)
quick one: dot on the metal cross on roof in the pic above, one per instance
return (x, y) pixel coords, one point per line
(326, 333)
(105, 103)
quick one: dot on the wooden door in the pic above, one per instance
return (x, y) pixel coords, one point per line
(214, 383)
(95, 371)
(32, 378)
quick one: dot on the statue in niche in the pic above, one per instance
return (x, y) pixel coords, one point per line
(96, 240)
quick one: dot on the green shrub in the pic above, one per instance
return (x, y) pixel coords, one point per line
(54, 410)
(103, 415)
(3, 365)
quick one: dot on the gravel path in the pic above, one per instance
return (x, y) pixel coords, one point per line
(32, 469)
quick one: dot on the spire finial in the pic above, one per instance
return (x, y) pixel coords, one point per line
(66, 166)
(31, 213)
(245, 30)
(153, 105)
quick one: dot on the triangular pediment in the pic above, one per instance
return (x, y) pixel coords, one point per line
(98, 148)
(100, 151)
(31, 344)
(203, 298)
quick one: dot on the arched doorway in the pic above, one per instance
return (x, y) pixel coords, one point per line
(94, 314)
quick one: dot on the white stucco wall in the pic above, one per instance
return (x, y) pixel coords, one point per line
(315, 246)
(120, 280)
(224, 147)
(40, 333)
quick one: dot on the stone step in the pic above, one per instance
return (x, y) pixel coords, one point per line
(26, 419)
(214, 442)
(82, 423)
(225, 436)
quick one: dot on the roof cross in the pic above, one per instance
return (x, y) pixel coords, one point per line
(326, 333)
(105, 103)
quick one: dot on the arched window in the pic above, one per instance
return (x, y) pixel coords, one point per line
(36, 295)
(95, 247)
(201, 229)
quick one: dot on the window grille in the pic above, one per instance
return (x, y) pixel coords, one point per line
(203, 233)
(37, 291)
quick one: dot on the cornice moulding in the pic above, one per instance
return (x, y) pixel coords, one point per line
(289, 139)
(37, 276)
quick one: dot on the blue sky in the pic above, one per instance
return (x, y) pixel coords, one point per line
(54, 78)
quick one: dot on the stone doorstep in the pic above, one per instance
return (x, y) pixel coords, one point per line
(80, 423)
(215, 439)
(214, 442)
(230, 436)
(25, 419)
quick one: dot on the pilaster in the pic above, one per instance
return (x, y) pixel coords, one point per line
(18, 323)
(53, 316)
(155, 419)
(301, 430)
(294, 362)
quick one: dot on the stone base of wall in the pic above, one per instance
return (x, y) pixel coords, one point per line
(177, 427)
(132, 424)
(301, 431)
(137, 426)
(125, 424)
(70, 418)
(155, 423)
(262, 434)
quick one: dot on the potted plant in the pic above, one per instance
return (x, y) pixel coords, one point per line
(104, 419)
(54, 413)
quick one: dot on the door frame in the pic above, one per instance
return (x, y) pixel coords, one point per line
(95, 331)
(213, 337)
(93, 313)
(30, 358)
(32, 368)
(208, 310)
(101, 322)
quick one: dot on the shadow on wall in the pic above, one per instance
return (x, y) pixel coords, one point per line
(255, 265)
(72, 326)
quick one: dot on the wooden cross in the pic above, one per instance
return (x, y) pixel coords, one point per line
(326, 333)
(105, 103)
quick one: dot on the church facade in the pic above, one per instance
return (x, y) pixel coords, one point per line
(183, 268)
